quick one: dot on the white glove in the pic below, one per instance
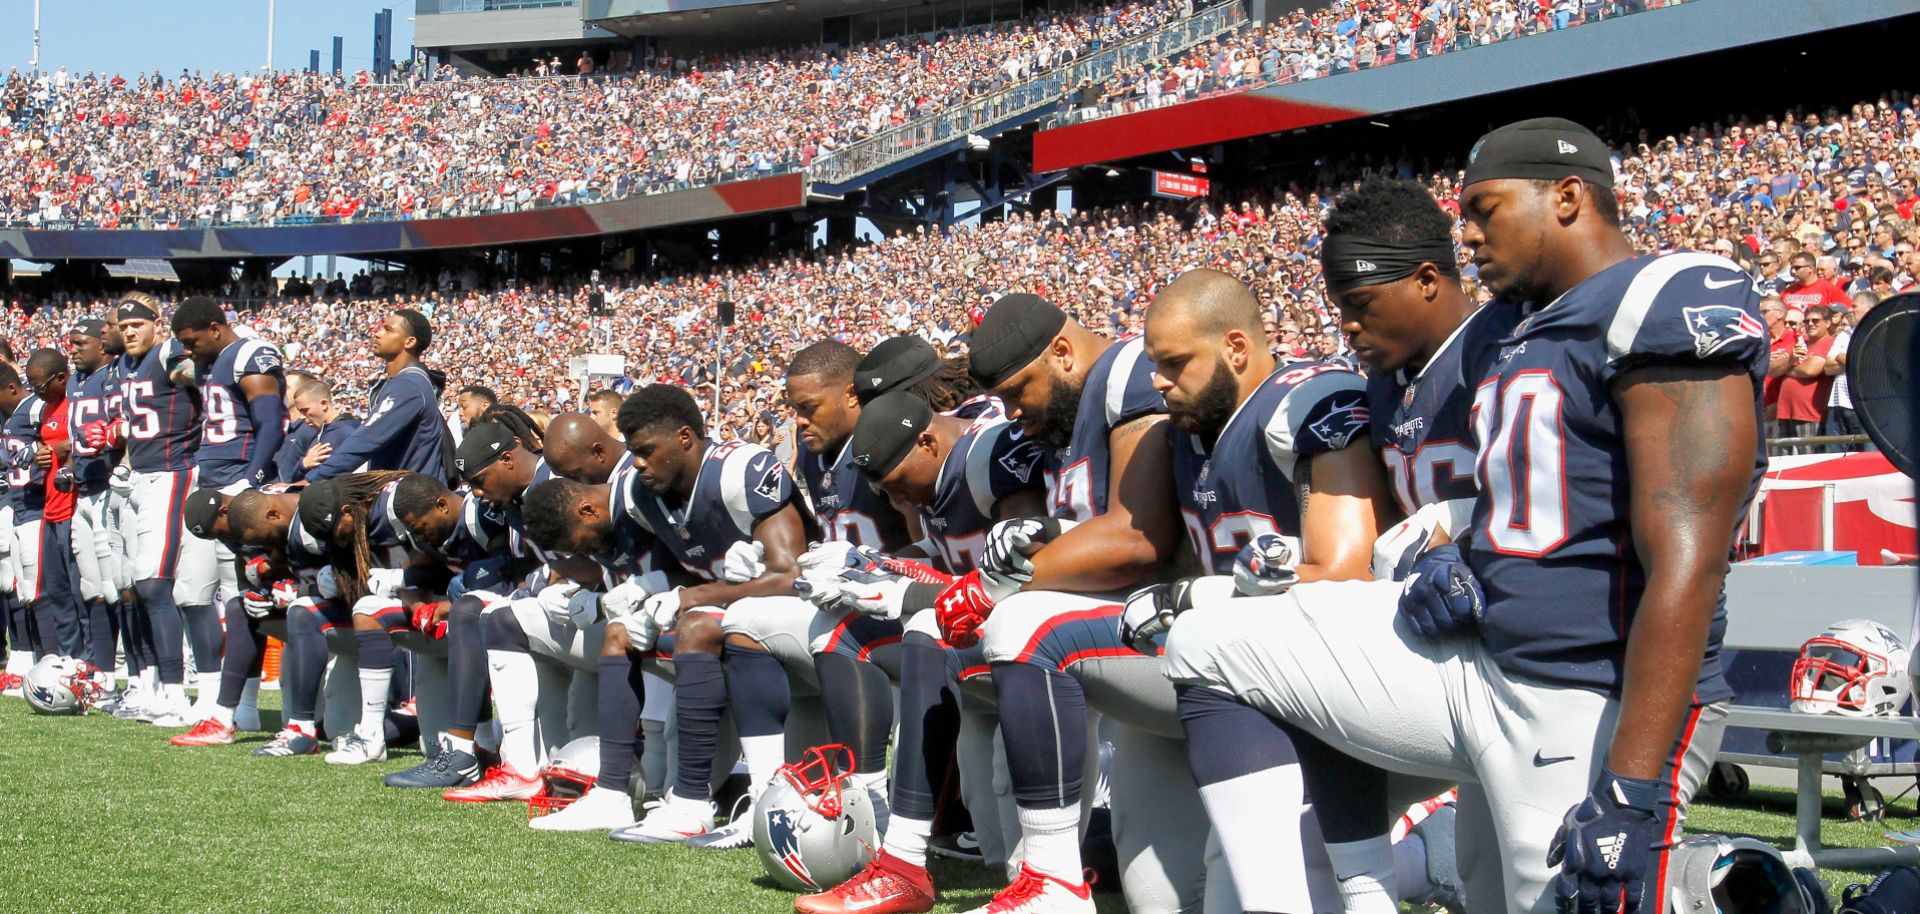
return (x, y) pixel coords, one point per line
(641, 632)
(1011, 543)
(662, 609)
(6, 543)
(877, 595)
(121, 482)
(385, 582)
(829, 556)
(285, 592)
(325, 584)
(623, 598)
(1395, 550)
(1149, 612)
(583, 608)
(743, 562)
(556, 601)
(1265, 566)
(257, 605)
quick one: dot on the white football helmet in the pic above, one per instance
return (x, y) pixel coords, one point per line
(813, 826)
(1722, 874)
(1856, 668)
(568, 775)
(59, 685)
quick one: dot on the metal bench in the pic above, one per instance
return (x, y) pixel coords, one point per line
(1777, 608)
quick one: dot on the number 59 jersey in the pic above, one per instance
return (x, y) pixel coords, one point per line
(1245, 485)
(1551, 539)
(227, 435)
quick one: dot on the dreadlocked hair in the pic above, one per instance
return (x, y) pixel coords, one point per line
(519, 423)
(356, 491)
(946, 389)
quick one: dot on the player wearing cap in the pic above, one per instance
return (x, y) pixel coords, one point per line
(41, 485)
(159, 424)
(87, 391)
(1092, 401)
(909, 363)
(963, 476)
(403, 429)
(233, 705)
(1564, 662)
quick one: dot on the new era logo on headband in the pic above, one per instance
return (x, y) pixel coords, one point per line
(1364, 266)
(460, 464)
(1566, 148)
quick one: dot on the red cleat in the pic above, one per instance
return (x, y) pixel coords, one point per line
(208, 732)
(10, 684)
(888, 885)
(499, 783)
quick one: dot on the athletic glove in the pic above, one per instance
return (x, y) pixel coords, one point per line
(832, 555)
(1395, 551)
(555, 600)
(743, 562)
(583, 608)
(1265, 566)
(285, 592)
(257, 605)
(641, 632)
(961, 609)
(868, 588)
(1150, 611)
(104, 434)
(385, 582)
(623, 598)
(1604, 845)
(326, 584)
(1012, 543)
(256, 571)
(121, 481)
(1441, 593)
(662, 609)
(427, 619)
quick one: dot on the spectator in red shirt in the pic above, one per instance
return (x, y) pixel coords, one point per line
(1781, 339)
(1809, 291)
(1805, 390)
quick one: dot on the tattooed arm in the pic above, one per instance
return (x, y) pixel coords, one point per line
(1690, 454)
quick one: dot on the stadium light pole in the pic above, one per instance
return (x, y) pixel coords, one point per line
(35, 65)
(270, 6)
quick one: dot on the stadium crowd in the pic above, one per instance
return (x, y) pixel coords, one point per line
(1342, 38)
(142, 150)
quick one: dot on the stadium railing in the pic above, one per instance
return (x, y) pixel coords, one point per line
(991, 111)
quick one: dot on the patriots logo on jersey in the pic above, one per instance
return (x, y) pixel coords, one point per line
(1020, 462)
(1714, 327)
(1340, 424)
(769, 486)
(784, 844)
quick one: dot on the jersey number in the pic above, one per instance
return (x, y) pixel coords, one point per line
(1071, 491)
(84, 411)
(1435, 466)
(1523, 465)
(222, 425)
(853, 527)
(19, 464)
(961, 553)
(146, 419)
(1228, 534)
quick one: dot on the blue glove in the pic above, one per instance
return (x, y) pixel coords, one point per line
(1604, 846)
(1441, 593)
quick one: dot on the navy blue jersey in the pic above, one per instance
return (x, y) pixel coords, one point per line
(403, 431)
(384, 530)
(634, 549)
(26, 482)
(1119, 389)
(979, 407)
(300, 439)
(228, 440)
(519, 545)
(991, 461)
(738, 486)
(88, 401)
(480, 532)
(1422, 423)
(1551, 539)
(1246, 484)
(163, 421)
(849, 508)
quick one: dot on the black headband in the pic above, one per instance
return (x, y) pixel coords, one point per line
(1540, 149)
(1015, 331)
(131, 310)
(1351, 260)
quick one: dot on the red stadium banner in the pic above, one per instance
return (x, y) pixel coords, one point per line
(1178, 186)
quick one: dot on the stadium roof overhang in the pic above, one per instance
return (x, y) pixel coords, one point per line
(720, 18)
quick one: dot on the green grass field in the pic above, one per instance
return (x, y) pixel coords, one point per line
(103, 815)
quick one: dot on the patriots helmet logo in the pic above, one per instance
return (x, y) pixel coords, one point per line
(1340, 423)
(784, 844)
(1714, 327)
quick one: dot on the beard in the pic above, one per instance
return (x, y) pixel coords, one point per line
(1056, 427)
(1212, 406)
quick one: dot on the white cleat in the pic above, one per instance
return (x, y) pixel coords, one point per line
(601, 809)
(171, 713)
(1034, 892)
(354, 749)
(737, 834)
(1443, 870)
(670, 822)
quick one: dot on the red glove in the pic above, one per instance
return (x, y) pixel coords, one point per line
(423, 614)
(104, 434)
(256, 571)
(285, 592)
(961, 609)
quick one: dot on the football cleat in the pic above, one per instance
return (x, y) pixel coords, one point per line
(500, 782)
(10, 685)
(888, 885)
(671, 822)
(449, 768)
(737, 834)
(354, 749)
(600, 809)
(133, 703)
(289, 742)
(208, 732)
(1443, 873)
(1034, 892)
(172, 714)
(958, 846)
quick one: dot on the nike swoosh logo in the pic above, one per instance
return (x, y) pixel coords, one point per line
(1541, 761)
(1721, 285)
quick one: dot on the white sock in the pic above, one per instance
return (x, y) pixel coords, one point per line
(304, 726)
(1052, 841)
(516, 691)
(875, 782)
(1410, 867)
(1365, 871)
(207, 686)
(19, 662)
(222, 714)
(459, 743)
(1257, 816)
(373, 704)
(150, 679)
(765, 755)
(250, 698)
(907, 839)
